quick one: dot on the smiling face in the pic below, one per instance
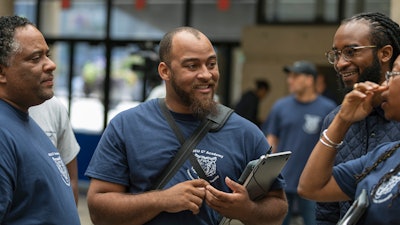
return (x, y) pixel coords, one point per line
(192, 77)
(390, 97)
(365, 64)
(390, 103)
(28, 78)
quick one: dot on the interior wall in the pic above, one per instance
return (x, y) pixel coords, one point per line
(268, 48)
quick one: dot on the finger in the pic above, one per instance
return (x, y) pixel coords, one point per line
(194, 207)
(199, 183)
(200, 192)
(235, 187)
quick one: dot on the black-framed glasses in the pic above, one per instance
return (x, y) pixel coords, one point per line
(390, 74)
(347, 52)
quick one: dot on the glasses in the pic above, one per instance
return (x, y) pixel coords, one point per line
(390, 74)
(347, 52)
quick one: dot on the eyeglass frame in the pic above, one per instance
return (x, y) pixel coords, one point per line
(390, 74)
(338, 53)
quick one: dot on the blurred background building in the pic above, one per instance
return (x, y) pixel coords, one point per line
(106, 50)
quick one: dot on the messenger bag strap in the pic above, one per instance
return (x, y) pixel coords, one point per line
(186, 149)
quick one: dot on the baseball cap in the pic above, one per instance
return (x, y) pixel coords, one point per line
(303, 66)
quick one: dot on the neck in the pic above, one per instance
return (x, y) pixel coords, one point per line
(306, 96)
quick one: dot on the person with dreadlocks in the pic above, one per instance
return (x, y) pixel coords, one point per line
(378, 172)
(364, 48)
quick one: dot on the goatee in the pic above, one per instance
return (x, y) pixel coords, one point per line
(202, 108)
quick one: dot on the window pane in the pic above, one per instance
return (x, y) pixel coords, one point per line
(87, 109)
(223, 24)
(149, 22)
(26, 8)
(83, 19)
(290, 10)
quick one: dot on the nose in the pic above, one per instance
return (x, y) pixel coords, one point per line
(205, 73)
(340, 62)
(49, 65)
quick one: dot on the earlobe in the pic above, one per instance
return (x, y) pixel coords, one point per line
(386, 53)
(2, 75)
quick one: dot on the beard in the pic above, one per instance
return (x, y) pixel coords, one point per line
(371, 73)
(200, 108)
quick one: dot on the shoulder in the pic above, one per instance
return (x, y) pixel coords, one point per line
(51, 106)
(284, 101)
(327, 100)
(141, 113)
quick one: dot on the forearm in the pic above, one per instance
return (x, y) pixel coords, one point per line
(73, 176)
(273, 141)
(316, 181)
(120, 208)
(270, 210)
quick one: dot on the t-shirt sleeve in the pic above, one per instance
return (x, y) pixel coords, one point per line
(109, 162)
(345, 174)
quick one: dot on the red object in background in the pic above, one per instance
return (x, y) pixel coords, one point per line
(223, 5)
(65, 4)
(140, 4)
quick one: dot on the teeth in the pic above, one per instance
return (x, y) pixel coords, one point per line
(347, 74)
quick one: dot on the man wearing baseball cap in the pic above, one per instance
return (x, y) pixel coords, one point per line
(294, 124)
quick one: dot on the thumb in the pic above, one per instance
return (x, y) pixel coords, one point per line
(234, 186)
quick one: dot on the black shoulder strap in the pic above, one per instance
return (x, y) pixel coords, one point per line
(220, 117)
(213, 123)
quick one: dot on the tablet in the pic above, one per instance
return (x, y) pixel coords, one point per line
(259, 176)
(263, 173)
(356, 210)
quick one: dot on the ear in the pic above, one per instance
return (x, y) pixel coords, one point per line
(164, 71)
(385, 53)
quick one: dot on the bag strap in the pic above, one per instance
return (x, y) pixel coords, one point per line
(213, 123)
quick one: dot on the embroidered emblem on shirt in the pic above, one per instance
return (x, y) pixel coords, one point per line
(385, 190)
(311, 123)
(61, 167)
(208, 162)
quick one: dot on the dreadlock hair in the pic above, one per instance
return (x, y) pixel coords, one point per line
(387, 154)
(384, 31)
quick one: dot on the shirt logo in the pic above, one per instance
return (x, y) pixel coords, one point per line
(385, 190)
(208, 162)
(61, 167)
(311, 123)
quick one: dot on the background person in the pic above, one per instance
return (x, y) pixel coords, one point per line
(249, 102)
(364, 47)
(35, 186)
(377, 172)
(294, 124)
(135, 148)
(52, 117)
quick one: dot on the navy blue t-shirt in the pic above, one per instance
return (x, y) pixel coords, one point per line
(297, 126)
(138, 144)
(34, 183)
(385, 204)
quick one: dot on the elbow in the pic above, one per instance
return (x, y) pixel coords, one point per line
(304, 190)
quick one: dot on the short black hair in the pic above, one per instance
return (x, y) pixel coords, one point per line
(8, 25)
(262, 84)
